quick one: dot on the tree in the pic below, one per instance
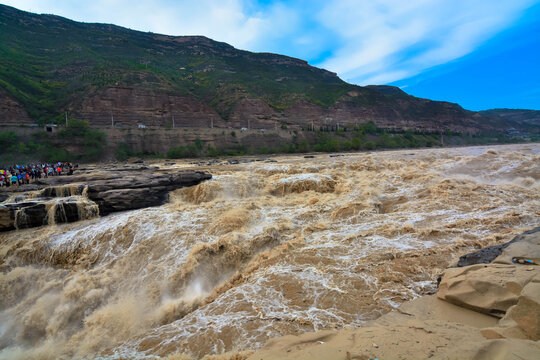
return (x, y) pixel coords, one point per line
(123, 151)
(75, 127)
(93, 141)
(176, 152)
(7, 139)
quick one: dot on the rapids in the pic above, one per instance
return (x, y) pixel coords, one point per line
(262, 250)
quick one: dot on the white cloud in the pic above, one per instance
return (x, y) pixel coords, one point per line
(388, 40)
(364, 41)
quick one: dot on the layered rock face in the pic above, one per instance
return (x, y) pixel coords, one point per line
(127, 106)
(131, 106)
(71, 198)
(12, 112)
(529, 118)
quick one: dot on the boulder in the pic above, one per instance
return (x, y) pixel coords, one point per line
(490, 289)
(521, 320)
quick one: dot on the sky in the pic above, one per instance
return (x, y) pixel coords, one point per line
(479, 53)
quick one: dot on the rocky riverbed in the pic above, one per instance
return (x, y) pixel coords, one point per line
(96, 191)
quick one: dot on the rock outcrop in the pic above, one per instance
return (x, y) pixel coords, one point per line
(12, 112)
(131, 106)
(521, 320)
(490, 289)
(71, 198)
(45, 211)
(116, 190)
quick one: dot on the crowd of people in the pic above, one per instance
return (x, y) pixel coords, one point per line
(24, 174)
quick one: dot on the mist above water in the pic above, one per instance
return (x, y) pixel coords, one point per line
(261, 250)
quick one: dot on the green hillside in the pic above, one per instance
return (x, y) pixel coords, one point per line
(47, 61)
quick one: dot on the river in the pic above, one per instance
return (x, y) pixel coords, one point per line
(262, 250)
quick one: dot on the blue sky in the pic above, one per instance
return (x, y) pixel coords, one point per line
(479, 53)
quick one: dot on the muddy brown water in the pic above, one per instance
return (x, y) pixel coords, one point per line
(261, 250)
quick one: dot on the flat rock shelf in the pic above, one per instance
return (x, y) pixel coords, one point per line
(71, 198)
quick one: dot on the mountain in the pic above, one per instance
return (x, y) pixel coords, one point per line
(523, 119)
(51, 66)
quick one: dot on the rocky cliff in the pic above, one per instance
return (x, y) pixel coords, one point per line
(12, 113)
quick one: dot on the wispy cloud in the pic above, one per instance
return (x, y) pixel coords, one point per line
(364, 41)
(389, 40)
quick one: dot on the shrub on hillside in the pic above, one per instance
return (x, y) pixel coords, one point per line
(369, 145)
(7, 139)
(75, 128)
(123, 152)
(93, 141)
(176, 152)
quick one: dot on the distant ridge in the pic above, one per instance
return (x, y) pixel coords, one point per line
(524, 118)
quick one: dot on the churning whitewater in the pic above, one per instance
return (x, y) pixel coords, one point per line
(262, 250)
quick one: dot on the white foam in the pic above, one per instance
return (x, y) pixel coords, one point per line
(304, 177)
